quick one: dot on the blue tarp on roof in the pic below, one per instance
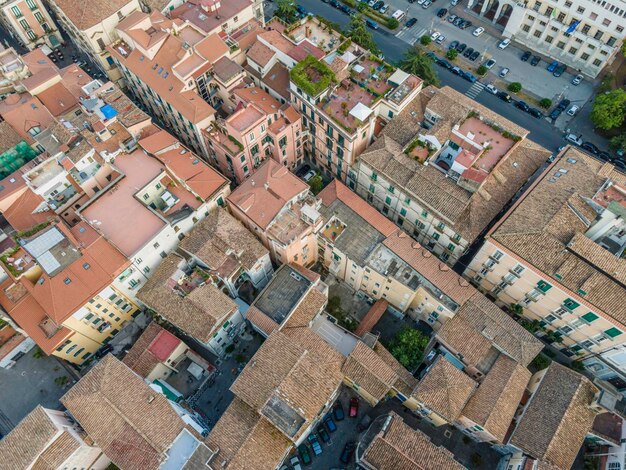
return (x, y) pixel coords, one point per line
(108, 111)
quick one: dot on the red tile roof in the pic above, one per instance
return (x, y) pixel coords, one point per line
(164, 345)
(372, 317)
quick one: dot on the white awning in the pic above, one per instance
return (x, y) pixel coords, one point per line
(361, 112)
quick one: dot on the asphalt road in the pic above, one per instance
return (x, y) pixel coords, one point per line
(541, 130)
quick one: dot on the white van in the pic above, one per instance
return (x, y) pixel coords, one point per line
(399, 14)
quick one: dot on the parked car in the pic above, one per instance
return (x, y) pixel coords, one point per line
(559, 70)
(453, 45)
(605, 156)
(426, 4)
(491, 89)
(466, 24)
(305, 455)
(534, 112)
(301, 11)
(620, 164)
(324, 436)
(444, 63)
(478, 31)
(371, 24)
(303, 170)
(338, 412)
(474, 55)
(435, 35)
(535, 60)
(522, 105)
(525, 56)
(469, 77)
(365, 422)
(552, 66)
(556, 112)
(347, 452)
(504, 96)
(457, 71)
(412, 22)
(504, 43)
(354, 407)
(451, 18)
(295, 463)
(330, 424)
(490, 63)
(315, 443)
(457, 21)
(574, 139)
(378, 5)
(440, 39)
(504, 72)
(344, 9)
(384, 9)
(310, 174)
(461, 47)
(431, 55)
(334, 3)
(577, 79)
(589, 147)
(371, 3)
(468, 52)
(563, 104)
(442, 12)
(573, 110)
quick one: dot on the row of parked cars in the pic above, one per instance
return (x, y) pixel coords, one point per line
(313, 446)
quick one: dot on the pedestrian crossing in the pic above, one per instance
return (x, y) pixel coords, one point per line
(411, 35)
(475, 90)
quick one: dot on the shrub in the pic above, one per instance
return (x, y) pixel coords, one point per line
(408, 347)
(545, 103)
(312, 76)
(392, 23)
(539, 363)
(425, 40)
(482, 70)
(452, 54)
(515, 87)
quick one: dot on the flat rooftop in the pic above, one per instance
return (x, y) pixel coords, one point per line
(283, 416)
(485, 135)
(282, 294)
(384, 261)
(338, 338)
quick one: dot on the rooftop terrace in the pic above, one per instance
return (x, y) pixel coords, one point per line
(317, 33)
(312, 76)
(282, 294)
(384, 261)
(349, 105)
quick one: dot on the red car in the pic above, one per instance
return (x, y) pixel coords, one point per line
(354, 407)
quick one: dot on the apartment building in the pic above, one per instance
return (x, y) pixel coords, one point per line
(92, 27)
(557, 254)
(62, 289)
(51, 439)
(384, 447)
(135, 426)
(361, 247)
(229, 252)
(214, 17)
(279, 209)
(345, 109)
(184, 295)
(444, 168)
(258, 129)
(29, 22)
(585, 35)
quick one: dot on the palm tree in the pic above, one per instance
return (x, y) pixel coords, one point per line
(418, 63)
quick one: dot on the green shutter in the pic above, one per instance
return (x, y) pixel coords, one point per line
(612, 332)
(387, 200)
(570, 304)
(403, 212)
(589, 317)
(543, 286)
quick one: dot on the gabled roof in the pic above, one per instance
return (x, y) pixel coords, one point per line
(130, 422)
(555, 422)
(498, 396)
(84, 15)
(445, 390)
(367, 369)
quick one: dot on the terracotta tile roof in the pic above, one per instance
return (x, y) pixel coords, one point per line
(494, 404)
(220, 236)
(24, 112)
(153, 347)
(312, 304)
(84, 15)
(260, 54)
(212, 48)
(298, 377)
(36, 443)
(198, 313)
(558, 417)
(399, 447)
(305, 49)
(226, 69)
(278, 41)
(371, 317)
(130, 422)
(406, 383)
(437, 272)
(478, 324)
(445, 390)
(9, 138)
(262, 196)
(245, 440)
(22, 214)
(261, 321)
(367, 369)
(277, 78)
(545, 228)
(609, 427)
(58, 99)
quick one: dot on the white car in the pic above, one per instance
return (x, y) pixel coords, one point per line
(574, 139)
(426, 4)
(504, 44)
(504, 72)
(577, 79)
(478, 31)
(310, 174)
(384, 9)
(440, 39)
(420, 2)
(573, 110)
(435, 35)
(490, 63)
(371, 3)
(295, 463)
(491, 89)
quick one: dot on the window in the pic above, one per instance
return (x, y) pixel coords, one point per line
(572, 50)
(251, 137)
(441, 226)
(598, 35)
(543, 286)
(566, 329)
(71, 348)
(549, 11)
(580, 10)
(585, 29)
(561, 17)
(577, 323)
(497, 255)
(374, 177)
(391, 189)
(435, 236)
(25, 24)
(16, 11)
(570, 304)
(387, 200)
(550, 318)
(589, 317)
(101, 44)
(612, 332)
(39, 17)
(372, 188)
(424, 213)
(584, 56)
(156, 245)
(403, 212)
(525, 28)
(561, 45)
(146, 197)
(537, 33)
(518, 269)
(67, 281)
(451, 246)
(79, 351)
(611, 42)
(597, 62)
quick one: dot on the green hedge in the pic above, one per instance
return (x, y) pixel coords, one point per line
(301, 78)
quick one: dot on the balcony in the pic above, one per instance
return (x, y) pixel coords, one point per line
(60, 199)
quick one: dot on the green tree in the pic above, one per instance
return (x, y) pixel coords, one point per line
(418, 63)
(452, 54)
(609, 109)
(618, 142)
(392, 23)
(316, 183)
(481, 70)
(360, 34)
(515, 87)
(286, 10)
(517, 309)
(623, 48)
(545, 103)
(408, 347)
(425, 40)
